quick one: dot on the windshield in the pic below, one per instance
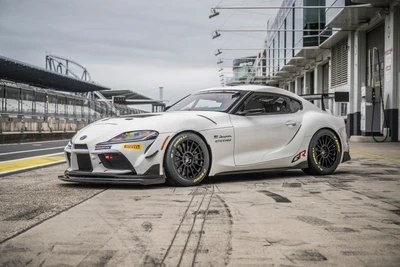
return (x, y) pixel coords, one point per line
(212, 100)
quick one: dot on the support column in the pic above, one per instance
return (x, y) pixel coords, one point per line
(359, 77)
(298, 88)
(392, 71)
(318, 73)
(356, 68)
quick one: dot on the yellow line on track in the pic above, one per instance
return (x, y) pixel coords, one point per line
(373, 155)
(21, 164)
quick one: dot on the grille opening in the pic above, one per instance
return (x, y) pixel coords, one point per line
(116, 161)
(80, 146)
(84, 162)
(69, 159)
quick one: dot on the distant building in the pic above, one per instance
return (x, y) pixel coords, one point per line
(242, 69)
(345, 52)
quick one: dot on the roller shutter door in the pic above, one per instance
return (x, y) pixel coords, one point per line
(339, 63)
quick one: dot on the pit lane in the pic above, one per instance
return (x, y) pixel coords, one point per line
(280, 218)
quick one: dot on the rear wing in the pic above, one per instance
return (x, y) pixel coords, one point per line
(319, 97)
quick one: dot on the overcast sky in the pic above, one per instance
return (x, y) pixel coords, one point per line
(134, 44)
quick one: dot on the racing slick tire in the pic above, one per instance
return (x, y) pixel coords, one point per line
(324, 153)
(187, 160)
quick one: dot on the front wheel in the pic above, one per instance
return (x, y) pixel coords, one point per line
(187, 160)
(324, 153)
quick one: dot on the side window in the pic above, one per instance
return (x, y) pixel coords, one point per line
(261, 103)
(277, 105)
(296, 105)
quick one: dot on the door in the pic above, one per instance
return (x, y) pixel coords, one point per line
(263, 126)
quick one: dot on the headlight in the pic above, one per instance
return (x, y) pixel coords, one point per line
(133, 137)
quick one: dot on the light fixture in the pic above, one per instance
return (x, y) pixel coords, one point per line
(218, 52)
(214, 13)
(216, 34)
(219, 61)
(221, 75)
(221, 69)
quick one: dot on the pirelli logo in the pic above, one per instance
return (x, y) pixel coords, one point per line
(132, 146)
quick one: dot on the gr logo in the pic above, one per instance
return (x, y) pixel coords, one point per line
(299, 156)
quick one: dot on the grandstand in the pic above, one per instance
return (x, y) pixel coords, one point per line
(36, 99)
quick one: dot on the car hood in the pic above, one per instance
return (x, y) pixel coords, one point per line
(166, 122)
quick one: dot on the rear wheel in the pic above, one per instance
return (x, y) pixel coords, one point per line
(324, 153)
(187, 160)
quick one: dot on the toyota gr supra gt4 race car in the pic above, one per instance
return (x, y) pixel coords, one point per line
(212, 132)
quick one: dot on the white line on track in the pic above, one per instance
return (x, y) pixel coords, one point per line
(33, 150)
(38, 142)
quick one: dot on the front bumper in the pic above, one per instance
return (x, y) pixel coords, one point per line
(107, 178)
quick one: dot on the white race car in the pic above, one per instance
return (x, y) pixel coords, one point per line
(216, 131)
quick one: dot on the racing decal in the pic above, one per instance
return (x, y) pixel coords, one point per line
(132, 146)
(302, 154)
(180, 139)
(222, 138)
(102, 147)
(201, 176)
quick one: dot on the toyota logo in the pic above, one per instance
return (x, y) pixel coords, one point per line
(83, 137)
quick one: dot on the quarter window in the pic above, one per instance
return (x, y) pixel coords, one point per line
(296, 105)
(261, 103)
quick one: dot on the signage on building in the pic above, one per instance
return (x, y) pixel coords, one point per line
(245, 64)
(119, 100)
(388, 62)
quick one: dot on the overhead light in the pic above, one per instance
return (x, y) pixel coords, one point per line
(221, 69)
(216, 34)
(220, 61)
(221, 75)
(218, 52)
(214, 13)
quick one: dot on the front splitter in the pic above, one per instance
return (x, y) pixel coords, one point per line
(117, 179)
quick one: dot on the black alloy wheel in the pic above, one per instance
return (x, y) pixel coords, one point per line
(324, 153)
(187, 160)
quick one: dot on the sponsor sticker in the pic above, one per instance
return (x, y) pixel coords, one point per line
(102, 147)
(132, 146)
(222, 138)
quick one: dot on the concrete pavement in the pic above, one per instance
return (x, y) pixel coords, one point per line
(280, 218)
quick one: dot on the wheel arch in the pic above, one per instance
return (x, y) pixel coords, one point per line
(336, 134)
(188, 131)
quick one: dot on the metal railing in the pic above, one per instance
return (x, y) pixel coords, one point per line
(30, 108)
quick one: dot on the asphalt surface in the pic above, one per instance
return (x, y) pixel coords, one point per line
(25, 150)
(285, 218)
